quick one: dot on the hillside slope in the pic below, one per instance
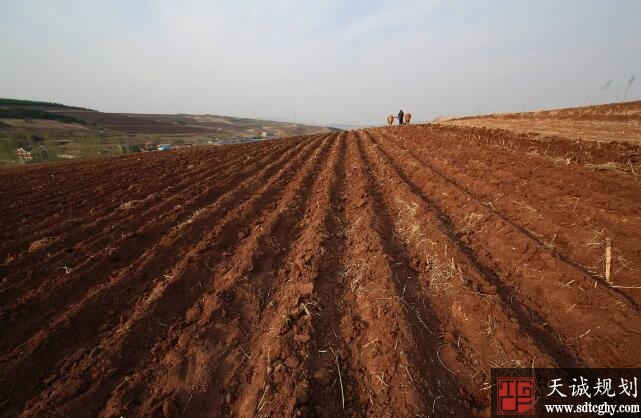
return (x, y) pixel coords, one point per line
(611, 122)
(133, 123)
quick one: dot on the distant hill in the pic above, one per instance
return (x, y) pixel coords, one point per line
(67, 132)
(30, 113)
(20, 102)
(132, 123)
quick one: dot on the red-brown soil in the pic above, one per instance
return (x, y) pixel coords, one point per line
(379, 272)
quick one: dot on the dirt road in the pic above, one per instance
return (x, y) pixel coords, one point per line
(367, 273)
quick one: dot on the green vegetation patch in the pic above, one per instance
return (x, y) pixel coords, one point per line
(19, 102)
(17, 113)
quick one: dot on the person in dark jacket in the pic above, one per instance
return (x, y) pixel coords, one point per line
(400, 117)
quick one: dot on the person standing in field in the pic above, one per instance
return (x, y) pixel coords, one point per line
(400, 117)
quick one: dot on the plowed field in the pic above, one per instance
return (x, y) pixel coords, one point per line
(378, 272)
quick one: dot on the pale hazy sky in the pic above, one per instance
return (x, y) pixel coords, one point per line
(336, 61)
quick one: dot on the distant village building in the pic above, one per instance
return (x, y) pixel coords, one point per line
(268, 134)
(23, 155)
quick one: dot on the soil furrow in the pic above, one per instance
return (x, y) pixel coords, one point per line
(529, 320)
(165, 183)
(476, 330)
(390, 345)
(557, 147)
(75, 180)
(149, 281)
(116, 247)
(483, 248)
(279, 337)
(236, 285)
(328, 305)
(529, 197)
(548, 247)
(128, 203)
(98, 269)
